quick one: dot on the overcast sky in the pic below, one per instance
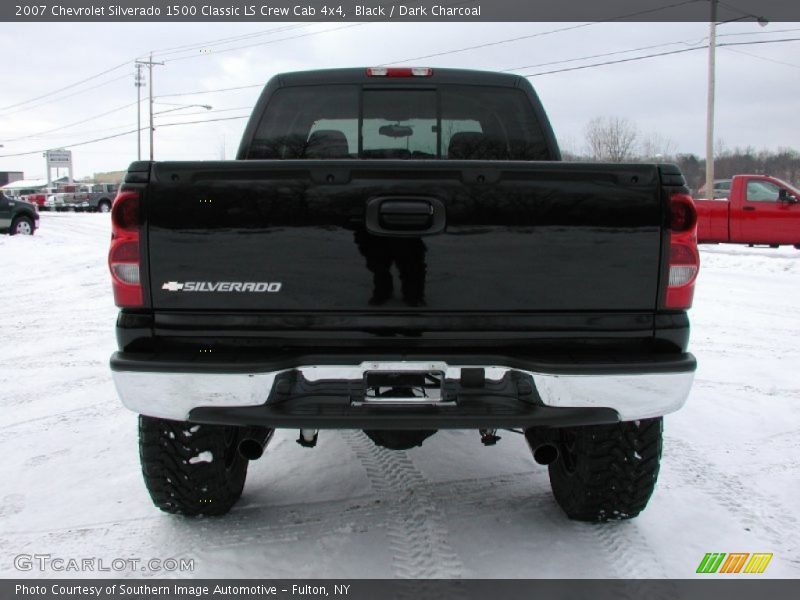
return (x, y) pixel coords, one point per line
(758, 87)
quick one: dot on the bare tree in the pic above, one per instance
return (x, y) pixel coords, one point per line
(611, 138)
(657, 147)
(720, 148)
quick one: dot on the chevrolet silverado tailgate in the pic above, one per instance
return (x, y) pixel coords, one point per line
(386, 236)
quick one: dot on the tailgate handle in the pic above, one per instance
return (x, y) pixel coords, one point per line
(405, 216)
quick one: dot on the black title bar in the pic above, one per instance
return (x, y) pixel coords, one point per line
(333, 11)
(381, 589)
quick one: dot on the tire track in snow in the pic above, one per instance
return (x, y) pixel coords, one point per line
(416, 530)
(70, 350)
(256, 528)
(620, 544)
(624, 547)
(461, 497)
(66, 387)
(711, 384)
(784, 443)
(728, 491)
(271, 527)
(77, 415)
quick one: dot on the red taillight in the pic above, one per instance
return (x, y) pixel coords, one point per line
(125, 212)
(124, 256)
(683, 215)
(684, 259)
(399, 72)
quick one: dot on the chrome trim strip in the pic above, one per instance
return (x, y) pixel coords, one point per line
(174, 395)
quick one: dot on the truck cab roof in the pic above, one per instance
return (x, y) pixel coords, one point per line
(361, 75)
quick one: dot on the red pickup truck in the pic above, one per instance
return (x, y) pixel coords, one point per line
(759, 210)
(35, 199)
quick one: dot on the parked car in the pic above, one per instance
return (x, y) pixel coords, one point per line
(56, 202)
(722, 187)
(92, 198)
(531, 293)
(17, 217)
(758, 210)
(37, 199)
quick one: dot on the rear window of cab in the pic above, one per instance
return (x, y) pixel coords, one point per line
(447, 122)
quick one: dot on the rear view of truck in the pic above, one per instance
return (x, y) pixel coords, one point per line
(401, 251)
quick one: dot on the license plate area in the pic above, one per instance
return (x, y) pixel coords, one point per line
(404, 386)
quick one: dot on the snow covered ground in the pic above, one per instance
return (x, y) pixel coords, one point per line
(70, 483)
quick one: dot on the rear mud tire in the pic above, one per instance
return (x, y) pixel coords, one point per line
(191, 469)
(607, 472)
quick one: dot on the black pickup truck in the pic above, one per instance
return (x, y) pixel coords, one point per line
(400, 250)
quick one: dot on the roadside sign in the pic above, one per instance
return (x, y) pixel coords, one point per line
(59, 158)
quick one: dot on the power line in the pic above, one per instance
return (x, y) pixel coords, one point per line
(228, 40)
(82, 91)
(772, 60)
(112, 129)
(61, 139)
(614, 62)
(488, 44)
(274, 30)
(541, 33)
(165, 51)
(758, 42)
(771, 32)
(92, 118)
(67, 87)
(294, 37)
(686, 42)
(218, 110)
(635, 58)
(111, 136)
(568, 60)
(194, 93)
(220, 41)
(204, 121)
(108, 137)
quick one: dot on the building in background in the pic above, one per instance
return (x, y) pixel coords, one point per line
(10, 177)
(23, 187)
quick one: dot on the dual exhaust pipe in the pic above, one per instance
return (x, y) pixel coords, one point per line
(543, 444)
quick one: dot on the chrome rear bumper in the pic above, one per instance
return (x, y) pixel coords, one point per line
(631, 391)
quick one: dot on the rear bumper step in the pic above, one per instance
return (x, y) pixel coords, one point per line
(329, 392)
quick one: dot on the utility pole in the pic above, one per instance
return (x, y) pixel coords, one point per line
(712, 64)
(139, 82)
(150, 65)
(712, 48)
